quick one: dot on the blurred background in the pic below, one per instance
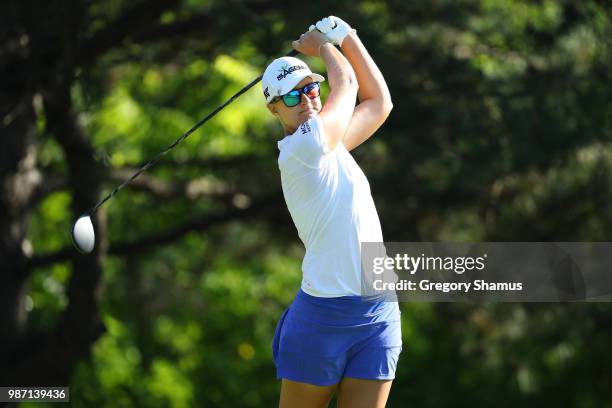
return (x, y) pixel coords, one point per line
(501, 131)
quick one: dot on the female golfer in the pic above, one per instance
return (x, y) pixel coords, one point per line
(331, 339)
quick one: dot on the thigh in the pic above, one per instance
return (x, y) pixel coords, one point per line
(302, 395)
(376, 359)
(358, 393)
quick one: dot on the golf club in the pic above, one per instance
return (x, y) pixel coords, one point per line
(83, 235)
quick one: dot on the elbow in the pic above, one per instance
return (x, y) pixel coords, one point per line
(387, 104)
(385, 108)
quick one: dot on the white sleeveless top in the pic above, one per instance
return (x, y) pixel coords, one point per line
(329, 200)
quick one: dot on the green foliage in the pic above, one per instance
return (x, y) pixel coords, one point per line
(197, 340)
(501, 130)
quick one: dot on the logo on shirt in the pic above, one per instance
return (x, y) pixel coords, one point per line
(266, 93)
(305, 128)
(286, 70)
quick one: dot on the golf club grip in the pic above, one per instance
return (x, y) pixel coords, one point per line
(293, 53)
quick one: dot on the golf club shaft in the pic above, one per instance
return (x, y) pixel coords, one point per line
(179, 140)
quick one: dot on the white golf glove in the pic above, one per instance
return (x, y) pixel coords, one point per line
(334, 28)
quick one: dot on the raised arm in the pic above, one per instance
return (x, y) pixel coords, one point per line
(337, 112)
(374, 97)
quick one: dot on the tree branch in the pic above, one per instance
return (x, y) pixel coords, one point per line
(144, 14)
(198, 224)
(141, 25)
(165, 237)
(190, 190)
(193, 189)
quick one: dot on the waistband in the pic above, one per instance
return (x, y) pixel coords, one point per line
(345, 309)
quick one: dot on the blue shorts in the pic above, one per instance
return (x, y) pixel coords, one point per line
(320, 340)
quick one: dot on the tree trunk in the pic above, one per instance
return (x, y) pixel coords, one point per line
(18, 180)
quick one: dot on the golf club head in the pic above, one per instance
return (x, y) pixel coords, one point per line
(83, 235)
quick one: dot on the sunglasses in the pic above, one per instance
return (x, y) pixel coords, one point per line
(293, 98)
